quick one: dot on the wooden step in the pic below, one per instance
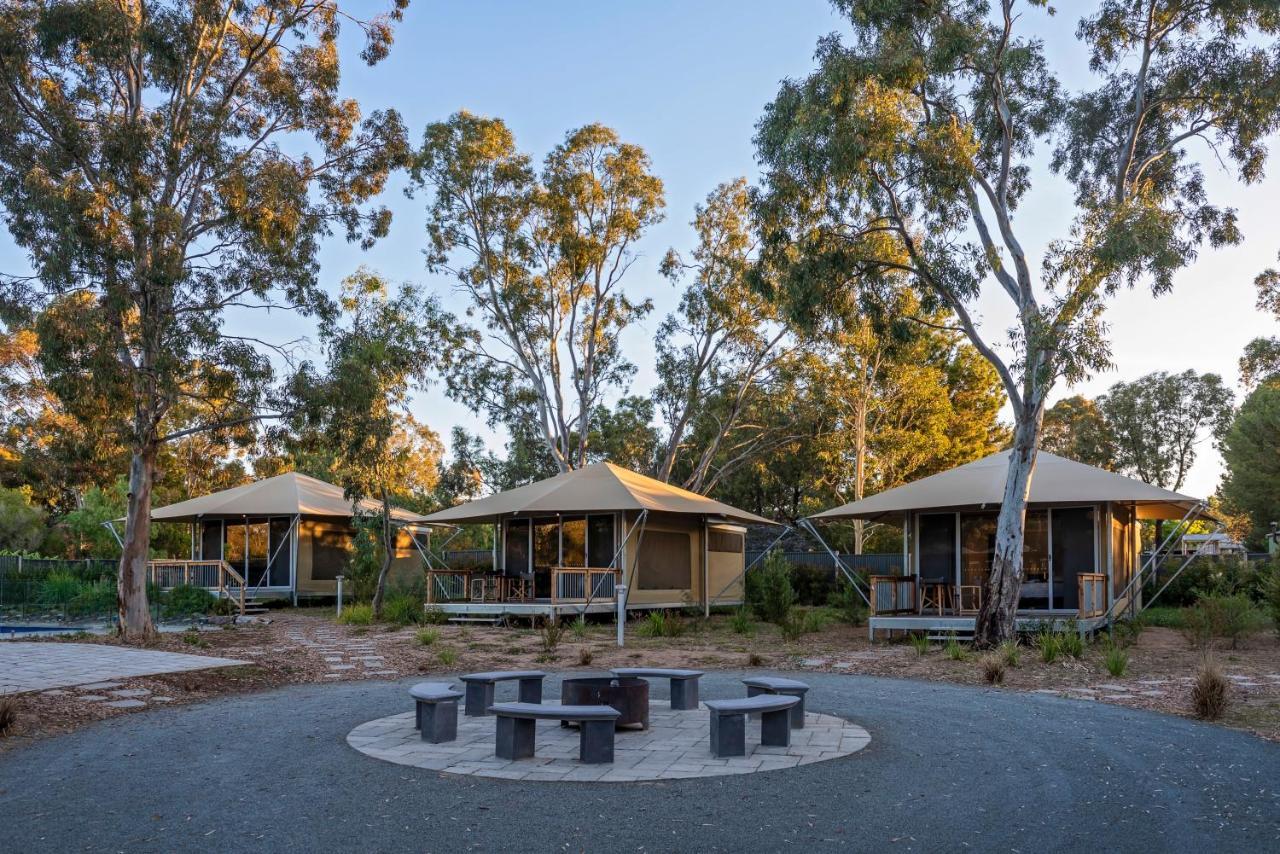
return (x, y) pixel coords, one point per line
(492, 621)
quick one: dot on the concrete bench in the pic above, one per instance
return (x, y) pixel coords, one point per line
(757, 685)
(517, 726)
(684, 683)
(436, 711)
(729, 722)
(480, 688)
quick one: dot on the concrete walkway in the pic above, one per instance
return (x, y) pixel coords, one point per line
(41, 666)
(948, 768)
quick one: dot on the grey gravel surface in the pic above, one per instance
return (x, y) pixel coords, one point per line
(948, 768)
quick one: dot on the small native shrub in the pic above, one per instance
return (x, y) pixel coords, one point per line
(1211, 692)
(660, 624)
(921, 644)
(770, 593)
(192, 638)
(8, 715)
(802, 622)
(1072, 643)
(585, 656)
(1010, 652)
(1050, 645)
(59, 588)
(402, 609)
(1116, 660)
(356, 615)
(955, 650)
(447, 656)
(96, 598)
(1163, 617)
(427, 636)
(186, 600)
(755, 659)
(1233, 617)
(432, 616)
(847, 603)
(1271, 595)
(993, 668)
(579, 627)
(741, 623)
(550, 633)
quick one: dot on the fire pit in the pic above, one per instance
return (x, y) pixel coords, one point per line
(630, 696)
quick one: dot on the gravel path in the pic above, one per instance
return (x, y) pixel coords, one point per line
(947, 768)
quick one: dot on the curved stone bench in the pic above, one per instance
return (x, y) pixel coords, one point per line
(436, 711)
(757, 685)
(480, 688)
(517, 727)
(729, 722)
(684, 683)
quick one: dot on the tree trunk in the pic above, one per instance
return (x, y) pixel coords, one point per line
(859, 469)
(131, 584)
(388, 548)
(996, 621)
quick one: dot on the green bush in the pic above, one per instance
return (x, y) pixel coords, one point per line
(427, 637)
(660, 624)
(579, 627)
(955, 650)
(447, 656)
(1210, 576)
(1072, 643)
(921, 644)
(402, 608)
(846, 601)
(741, 623)
(1116, 660)
(94, 599)
(1011, 652)
(433, 616)
(356, 615)
(770, 593)
(1233, 617)
(1049, 643)
(185, 600)
(59, 588)
(1164, 617)
(1271, 594)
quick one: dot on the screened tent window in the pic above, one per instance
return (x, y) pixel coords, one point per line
(938, 547)
(665, 561)
(515, 553)
(977, 546)
(330, 554)
(600, 546)
(724, 541)
(211, 540)
(281, 549)
(1073, 553)
(573, 544)
(546, 543)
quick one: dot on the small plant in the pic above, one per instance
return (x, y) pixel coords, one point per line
(1010, 651)
(185, 600)
(585, 656)
(1116, 660)
(191, 637)
(1211, 692)
(741, 623)
(579, 627)
(921, 644)
(955, 650)
(8, 715)
(847, 603)
(59, 588)
(755, 659)
(993, 668)
(1270, 589)
(769, 590)
(402, 609)
(1233, 617)
(550, 633)
(356, 615)
(360, 631)
(427, 636)
(433, 616)
(1072, 643)
(660, 624)
(1049, 643)
(447, 656)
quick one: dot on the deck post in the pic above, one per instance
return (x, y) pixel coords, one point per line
(339, 595)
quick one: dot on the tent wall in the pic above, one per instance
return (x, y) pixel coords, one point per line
(726, 560)
(664, 564)
(323, 554)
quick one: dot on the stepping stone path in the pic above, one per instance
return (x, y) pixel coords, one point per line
(344, 657)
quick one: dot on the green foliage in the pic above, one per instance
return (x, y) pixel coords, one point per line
(1011, 652)
(1232, 617)
(185, 600)
(59, 588)
(740, 623)
(1116, 660)
(1271, 594)
(804, 621)
(21, 524)
(1072, 642)
(433, 616)
(191, 637)
(660, 624)
(1212, 575)
(95, 598)
(579, 627)
(955, 650)
(550, 633)
(1075, 428)
(85, 524)
(356, 614)
(921, 644)
(1164, 617)
(402, 608)
(427, 636)
(1251, 452)
(447, 656)
(847, 602)
(768, 588)
(1049, 643)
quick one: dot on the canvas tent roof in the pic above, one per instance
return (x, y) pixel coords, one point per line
(981, 484)
(283, 495)
(597, 487)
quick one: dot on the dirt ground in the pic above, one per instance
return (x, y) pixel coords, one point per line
(299, 646)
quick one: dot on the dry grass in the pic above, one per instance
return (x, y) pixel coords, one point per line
(8, 715)
(1211, 693)
(993, 668)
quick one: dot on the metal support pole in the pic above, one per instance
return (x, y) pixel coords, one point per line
(622, 613)
(339, 596)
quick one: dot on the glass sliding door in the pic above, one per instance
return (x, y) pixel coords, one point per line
(211, 540)
(1073, 553)
(573, 541)
(977, 547)
(937, 533)
(515, 549)
(1035, 561)
(281, 546)
(256, 565)
(600, 545)
(546, 554)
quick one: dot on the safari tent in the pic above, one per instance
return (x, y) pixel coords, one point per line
(284, 536)
(1082, 553)
(569, 543)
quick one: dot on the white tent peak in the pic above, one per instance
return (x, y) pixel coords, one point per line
(288, 494)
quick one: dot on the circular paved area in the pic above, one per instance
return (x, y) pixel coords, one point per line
(675, 747)
(950, 768)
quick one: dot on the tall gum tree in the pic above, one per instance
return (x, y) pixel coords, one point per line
(905, 156)
(169, 160)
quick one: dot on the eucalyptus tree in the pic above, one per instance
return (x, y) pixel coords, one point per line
(906, 154)
(541, 259)
(168, 160)
(1075, 428)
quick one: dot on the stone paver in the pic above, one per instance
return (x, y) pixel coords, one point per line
(125, 704)
(675, 746)
(38, 666)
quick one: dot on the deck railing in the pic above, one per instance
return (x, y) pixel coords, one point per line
(892, 594)
(574, 584)
(213, 575)
(446, 585)
(1093, 593)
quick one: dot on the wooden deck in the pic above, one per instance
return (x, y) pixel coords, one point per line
(946, 624)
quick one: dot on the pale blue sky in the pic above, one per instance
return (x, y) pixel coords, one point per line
(687, 81)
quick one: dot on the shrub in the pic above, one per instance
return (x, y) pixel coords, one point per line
(1211, 692)
(185, 600)
(770, 594)
(402, 608)
(427, 637)
(755, 659)
(1163, 617)
(1011, 652)
(59, 588)
(447, 656)
(813, 585)
(1072, 643)
(1232, 617)
(660, 624)
(356, 615)
(1271, 595)
(921, 644)
(192, 638)
(579, 627)
(955, 650)
(993, 668)
(1050, 645)
(585, 656)
(8, 715)
(1116, 660)
(847, 603)
(741, 623)
(433, 616)
(98, 597)
(550, 633)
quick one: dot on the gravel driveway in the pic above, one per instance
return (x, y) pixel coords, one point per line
(948, 768)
